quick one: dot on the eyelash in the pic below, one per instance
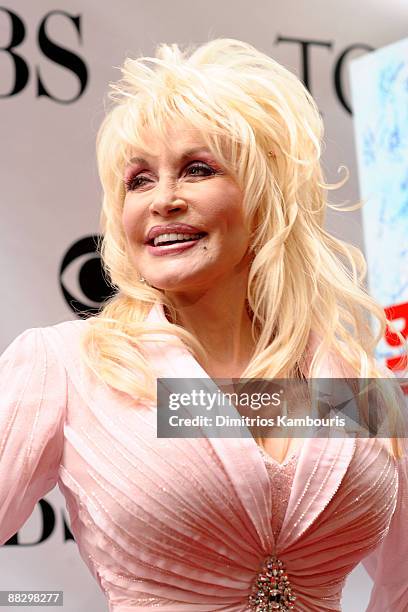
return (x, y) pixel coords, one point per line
(130, 182)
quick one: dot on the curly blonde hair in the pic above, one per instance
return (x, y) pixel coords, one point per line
(264, 127)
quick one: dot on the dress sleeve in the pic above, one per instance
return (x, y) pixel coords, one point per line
(32, 411)
(387, 565)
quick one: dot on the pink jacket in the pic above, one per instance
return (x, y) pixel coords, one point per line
(185, 524)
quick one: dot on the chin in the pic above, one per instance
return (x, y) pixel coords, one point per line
(169, 285)
(179, 283)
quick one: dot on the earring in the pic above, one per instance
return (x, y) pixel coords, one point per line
(142, 280)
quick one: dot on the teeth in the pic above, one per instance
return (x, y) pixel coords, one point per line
(172, 237)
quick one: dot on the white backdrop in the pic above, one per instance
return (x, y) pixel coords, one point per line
(50, 195)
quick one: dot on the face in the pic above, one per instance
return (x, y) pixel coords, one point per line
(193, 207)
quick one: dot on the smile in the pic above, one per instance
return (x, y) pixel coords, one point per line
(172, 244)
(175, 238)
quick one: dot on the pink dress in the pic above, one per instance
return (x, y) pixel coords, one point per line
(191, 524)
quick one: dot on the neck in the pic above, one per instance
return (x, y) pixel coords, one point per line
(218, 317)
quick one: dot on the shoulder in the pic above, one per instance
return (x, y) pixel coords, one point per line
(49, 345)
(67, 331)
(34, 364)
(64, 339)
(332, 364)
(69, 326)
(51, 356)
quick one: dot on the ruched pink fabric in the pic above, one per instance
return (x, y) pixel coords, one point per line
(184, 525)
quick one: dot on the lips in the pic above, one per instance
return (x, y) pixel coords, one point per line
(177, 248)
(171, 228)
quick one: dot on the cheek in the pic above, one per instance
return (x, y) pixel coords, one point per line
(225, 206)
(232, 214)
(129, 221)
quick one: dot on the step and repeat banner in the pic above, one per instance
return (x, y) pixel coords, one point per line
(56, 61)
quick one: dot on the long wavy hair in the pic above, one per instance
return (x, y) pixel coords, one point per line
(263, 126)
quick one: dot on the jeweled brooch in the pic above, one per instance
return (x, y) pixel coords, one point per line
(272, 590)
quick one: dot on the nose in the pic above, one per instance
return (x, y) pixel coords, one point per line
(166, 201)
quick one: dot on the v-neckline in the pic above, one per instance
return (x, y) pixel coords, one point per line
(320, 467)
(285, 462)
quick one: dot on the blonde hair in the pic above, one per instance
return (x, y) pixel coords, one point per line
(264, 127)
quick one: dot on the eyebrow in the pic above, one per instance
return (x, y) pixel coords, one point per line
(185, 155)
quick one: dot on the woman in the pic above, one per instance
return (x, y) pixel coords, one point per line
(213, 217)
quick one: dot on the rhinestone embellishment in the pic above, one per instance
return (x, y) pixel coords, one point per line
(272, 590)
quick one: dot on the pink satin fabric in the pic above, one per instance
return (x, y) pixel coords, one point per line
(185, 524)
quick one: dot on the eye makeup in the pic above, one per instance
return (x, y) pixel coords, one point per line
(137, 176)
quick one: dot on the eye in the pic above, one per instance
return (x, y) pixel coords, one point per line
(135, 181)
(196, 168)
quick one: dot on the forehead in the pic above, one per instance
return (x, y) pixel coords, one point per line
(175, 139)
